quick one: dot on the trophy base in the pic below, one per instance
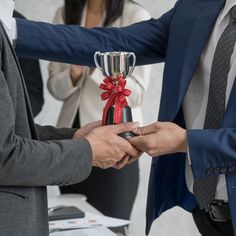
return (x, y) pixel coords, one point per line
(126, 117)
(128, 134)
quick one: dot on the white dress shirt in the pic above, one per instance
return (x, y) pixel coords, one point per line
(6, 12)
(195, 102)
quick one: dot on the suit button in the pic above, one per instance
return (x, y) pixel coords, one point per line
(217, 171)
(210, 171)
(223, 170)
(231, 169)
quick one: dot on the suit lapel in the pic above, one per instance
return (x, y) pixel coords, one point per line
(200, 34)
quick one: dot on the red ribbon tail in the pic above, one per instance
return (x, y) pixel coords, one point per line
(109, 104)
(118, 111)
(104, 116)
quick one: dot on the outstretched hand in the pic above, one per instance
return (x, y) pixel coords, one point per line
(160, 138)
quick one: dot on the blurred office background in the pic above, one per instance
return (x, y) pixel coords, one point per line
(175, 222)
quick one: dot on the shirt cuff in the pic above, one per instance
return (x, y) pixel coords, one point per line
(188, 155)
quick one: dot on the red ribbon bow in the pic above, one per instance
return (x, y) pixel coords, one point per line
(116, 94)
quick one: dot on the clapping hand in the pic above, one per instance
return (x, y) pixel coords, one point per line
(76, 72)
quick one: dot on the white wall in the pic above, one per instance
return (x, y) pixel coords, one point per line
(175, 222)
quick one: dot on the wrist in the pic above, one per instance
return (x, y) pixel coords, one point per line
(78, 134)
(93, 147)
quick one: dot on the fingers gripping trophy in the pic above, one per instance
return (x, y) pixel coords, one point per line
(116, 68)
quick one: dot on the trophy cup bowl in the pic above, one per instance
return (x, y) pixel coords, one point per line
(113, 65)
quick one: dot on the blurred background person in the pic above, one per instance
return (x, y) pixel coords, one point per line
(33, 79)
(111, 191)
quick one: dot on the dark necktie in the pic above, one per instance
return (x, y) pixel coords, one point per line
(205, 188)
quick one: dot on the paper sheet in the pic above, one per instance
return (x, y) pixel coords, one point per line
(90, 220)
(101, 231)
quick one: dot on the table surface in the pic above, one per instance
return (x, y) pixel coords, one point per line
(78, 201)
(72, 200)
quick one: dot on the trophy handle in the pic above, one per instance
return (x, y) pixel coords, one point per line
(133, 65)
(96, 61)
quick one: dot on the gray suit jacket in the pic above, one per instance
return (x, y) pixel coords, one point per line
(27, 165)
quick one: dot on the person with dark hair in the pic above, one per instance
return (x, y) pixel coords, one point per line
(111, 191)
(33, 79)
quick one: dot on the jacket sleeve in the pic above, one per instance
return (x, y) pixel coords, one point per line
(139, 79)
(212, 151)
(27, 162)
(51, 133)
(76, 45)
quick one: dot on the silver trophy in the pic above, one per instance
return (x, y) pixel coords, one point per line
(113, 65)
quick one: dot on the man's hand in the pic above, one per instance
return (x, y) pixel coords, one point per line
(109, 148)
(126, 160)
(82, 132)
(160, 138)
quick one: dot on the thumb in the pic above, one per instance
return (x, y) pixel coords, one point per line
(147, 129)
(130, 126)
(95, 124)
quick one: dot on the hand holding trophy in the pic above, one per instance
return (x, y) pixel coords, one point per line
(116, 68)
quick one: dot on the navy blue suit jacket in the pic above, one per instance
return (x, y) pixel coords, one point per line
(177, 38)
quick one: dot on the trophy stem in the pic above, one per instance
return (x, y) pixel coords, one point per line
(126, 117)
